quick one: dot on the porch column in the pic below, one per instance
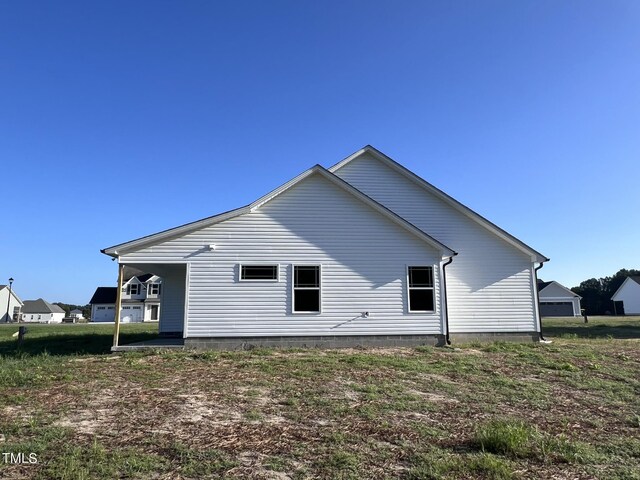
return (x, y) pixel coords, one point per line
(116, 333)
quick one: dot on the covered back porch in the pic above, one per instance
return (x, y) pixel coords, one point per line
(171, 322)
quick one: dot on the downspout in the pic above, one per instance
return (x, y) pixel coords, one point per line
(535, 277)
(447, 337)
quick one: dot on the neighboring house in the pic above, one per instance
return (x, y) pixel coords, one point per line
(626, 300)
(14, 303)
(41, 311)
(76, 314)
(557, 300)
(365, 252)
(141, 296)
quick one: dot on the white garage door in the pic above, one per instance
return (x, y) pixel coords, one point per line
(131, 314)
(104, 314)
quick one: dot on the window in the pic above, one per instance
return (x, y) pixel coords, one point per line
(259, 272)
(421, 297)
(133, 289)
(100, 308)
(154, 289)
(39, 317)
(306, 288)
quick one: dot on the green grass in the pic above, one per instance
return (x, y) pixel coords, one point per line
(569, 409)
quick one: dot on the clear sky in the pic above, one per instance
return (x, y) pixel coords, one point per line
(120, 119)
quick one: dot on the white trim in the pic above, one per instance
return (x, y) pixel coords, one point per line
(293, 289)
(260, 280)
(187, 276)
(519, 244)
(432, 288)
(537, 316)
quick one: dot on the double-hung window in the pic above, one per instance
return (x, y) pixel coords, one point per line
(154, 289)
(306, 288)
(133, 289)
(421, 294)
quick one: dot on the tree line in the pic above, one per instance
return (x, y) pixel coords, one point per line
(596, 293)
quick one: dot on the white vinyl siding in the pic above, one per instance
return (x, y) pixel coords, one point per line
(489, 283)
(363, 256)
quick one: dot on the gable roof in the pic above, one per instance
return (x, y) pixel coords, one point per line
(104, 295)
(315, 170)
(40, 306)
(538, 257)
(13, 292)
(542, 285)
(632, 278)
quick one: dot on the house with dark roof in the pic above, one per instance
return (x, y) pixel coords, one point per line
(626, 300)
(10, 305)
(556, 300)
(41, 311)
(140, 300)
(362, 253)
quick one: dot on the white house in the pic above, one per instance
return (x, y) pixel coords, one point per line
(76, 314)
(557, 300)
(41, 311)
(626, 300)
(365, 252)
(141, 297)
(10, 300)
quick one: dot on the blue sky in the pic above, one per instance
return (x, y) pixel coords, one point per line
(120, 119)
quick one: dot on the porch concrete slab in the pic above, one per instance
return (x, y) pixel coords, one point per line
(155, 344)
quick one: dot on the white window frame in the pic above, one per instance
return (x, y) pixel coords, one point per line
(153, 286)
(293, 289)
(432, 288)
(259, 264)
(130, 288)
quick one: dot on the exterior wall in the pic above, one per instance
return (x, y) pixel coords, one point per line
(489, 284)
(629, 293)
(42, 317)
(363, 257)
(4, 296)
(172, 304)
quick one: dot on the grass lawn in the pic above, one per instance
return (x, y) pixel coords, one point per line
(569, 409)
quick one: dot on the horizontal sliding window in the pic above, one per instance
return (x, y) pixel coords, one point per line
(306, 288)
(421, 295)
(259, 272)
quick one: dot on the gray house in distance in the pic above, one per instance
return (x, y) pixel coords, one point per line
(365, 252)
(557, 300)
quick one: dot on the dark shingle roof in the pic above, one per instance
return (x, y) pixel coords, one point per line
(104, 295)
(40, 306)
(542, 284)
(635, 278)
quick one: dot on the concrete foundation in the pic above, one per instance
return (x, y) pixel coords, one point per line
(351, 341)
(521, 337)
